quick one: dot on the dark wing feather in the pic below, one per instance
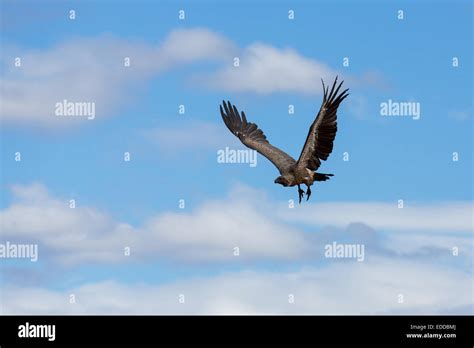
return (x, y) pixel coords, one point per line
(320, 139)
(252, 137)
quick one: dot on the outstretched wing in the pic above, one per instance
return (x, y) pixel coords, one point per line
(320, 139)
(251, 136)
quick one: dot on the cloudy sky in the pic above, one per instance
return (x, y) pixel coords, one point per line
(173, 230)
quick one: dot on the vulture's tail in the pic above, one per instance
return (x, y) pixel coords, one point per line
(321, 176)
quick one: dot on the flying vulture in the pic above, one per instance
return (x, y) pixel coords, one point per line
(318, 145)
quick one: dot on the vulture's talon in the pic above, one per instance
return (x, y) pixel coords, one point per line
(300, 194)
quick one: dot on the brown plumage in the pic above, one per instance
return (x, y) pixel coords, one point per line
(318, 145)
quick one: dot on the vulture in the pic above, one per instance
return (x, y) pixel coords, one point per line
(317, 147)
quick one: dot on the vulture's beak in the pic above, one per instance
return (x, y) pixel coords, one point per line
(280, 181)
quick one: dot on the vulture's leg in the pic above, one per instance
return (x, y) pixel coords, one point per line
(308, 192)
(300, 193)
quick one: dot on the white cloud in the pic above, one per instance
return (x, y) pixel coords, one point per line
(92, 70)
(414, 242)
(82, 233)
(85, 234)
(265, 69)
(339, 288)
(437, 217)
(190, 135)
(210, 232)
(189, 45)
(439, 282)
(214, 229)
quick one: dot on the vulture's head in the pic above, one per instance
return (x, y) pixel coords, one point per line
(282, 181)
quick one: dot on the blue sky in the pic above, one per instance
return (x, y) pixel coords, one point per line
(189, 62)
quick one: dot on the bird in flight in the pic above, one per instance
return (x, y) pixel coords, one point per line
(318, 145)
